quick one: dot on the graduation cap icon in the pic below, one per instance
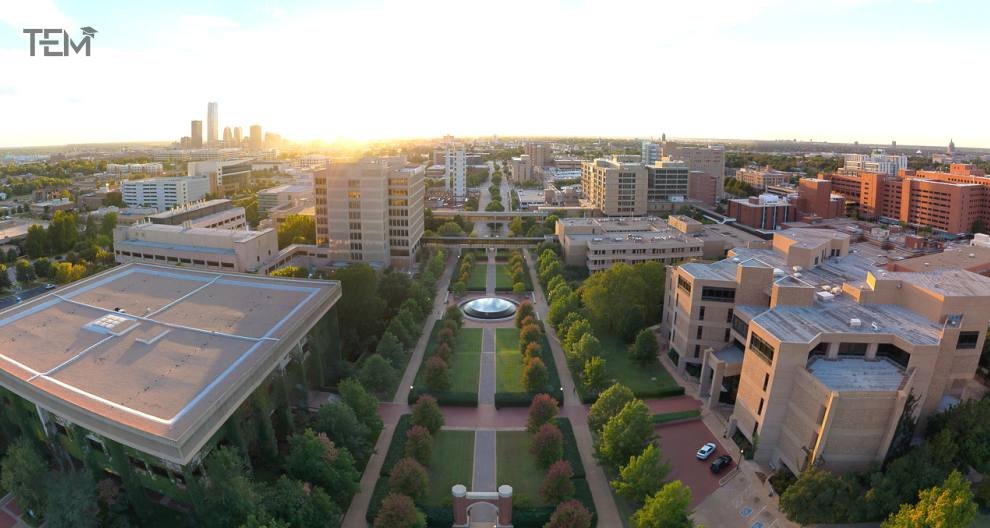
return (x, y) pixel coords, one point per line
(88, 32)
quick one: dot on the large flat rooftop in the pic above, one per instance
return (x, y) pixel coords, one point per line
(857, 374)
(146, 351)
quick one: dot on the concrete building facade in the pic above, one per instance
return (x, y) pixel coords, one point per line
(814, 350)
(878, 161)
(765, 212)
(455, 171)
(709, 159)
(235, 250)
(164, 193)
(219, 213)
(616, 186)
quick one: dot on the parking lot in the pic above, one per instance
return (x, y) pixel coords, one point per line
(680, 442)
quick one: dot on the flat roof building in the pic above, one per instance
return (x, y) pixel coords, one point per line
(763, 177)
(283, 195)
(766, 212)
(616, 186)
(158, 359)
(239, 251)
(218, 213)
(814, 350)
(164, 193)
(226, 176)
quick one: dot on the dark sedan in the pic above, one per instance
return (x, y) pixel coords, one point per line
(720, 463)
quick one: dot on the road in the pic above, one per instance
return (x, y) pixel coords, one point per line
(21, 296)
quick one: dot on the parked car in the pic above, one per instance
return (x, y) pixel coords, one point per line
(49, 286)
(720, 463)
(706, 451)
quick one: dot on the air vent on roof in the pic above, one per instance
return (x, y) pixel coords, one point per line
(855, 323)
(824, 296)
(797, 268)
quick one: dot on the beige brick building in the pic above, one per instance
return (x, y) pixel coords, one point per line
(815, 350)
(370, 211)
(616, 186)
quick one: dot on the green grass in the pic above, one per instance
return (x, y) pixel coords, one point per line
(464, 362)
(452, 463)
(517, 468)
(508, 361)
(675, 416)
(503, 280)
(477, 279)
(642, 378)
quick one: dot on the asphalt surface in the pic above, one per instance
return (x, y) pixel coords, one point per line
(21, 296)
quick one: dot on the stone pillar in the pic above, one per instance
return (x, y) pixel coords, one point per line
(505, 505)
(871, 351)
(460, 504)
(833, 351)
(716, 390)
(706, 380)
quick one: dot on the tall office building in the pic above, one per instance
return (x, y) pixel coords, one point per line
(710, 160)
(455, 170)
(650, 152)
(164, 193)
(616, 186)
(238, 135)
(370, 211)
(877, 161)
(212, 123)
(256, 137)
(197, 134)
(227, 135)
(667, 185)
(540, 154)
(272, 140)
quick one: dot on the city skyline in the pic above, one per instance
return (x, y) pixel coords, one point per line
(693, 78)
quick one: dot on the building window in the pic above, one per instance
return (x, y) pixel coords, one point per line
(766, 381)
(701, 314)
(759, 410)
(728, 318)
(698, 333)
(726, 336)
(711, 293)
(967, 340)
(683, 284)
(740, 326)
(697, 351)
(762, 348)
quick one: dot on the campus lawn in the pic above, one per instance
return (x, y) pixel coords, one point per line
(517, 468)
(643, 379)
(478, 277)
(464, 362)
(508, 361)
(452, 463)
(503, 279)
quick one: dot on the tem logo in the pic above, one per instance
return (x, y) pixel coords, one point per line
(56, 42)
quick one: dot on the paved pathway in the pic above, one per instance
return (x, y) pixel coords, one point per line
(484, 472)
(486, 377)
(490, 274)
(358, 509)
(608, 514)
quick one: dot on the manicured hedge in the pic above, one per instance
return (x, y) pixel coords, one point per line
(676, 416)
(396, 451)
(589, 398)
(438, 516)
(571, 453)
(452, 399)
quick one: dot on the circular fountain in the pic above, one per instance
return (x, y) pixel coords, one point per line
(489, 308)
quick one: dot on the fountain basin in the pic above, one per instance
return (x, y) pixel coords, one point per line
(489, 308)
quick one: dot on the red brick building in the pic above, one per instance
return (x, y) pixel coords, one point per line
(767, 211)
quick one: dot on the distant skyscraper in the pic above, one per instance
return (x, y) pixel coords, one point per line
(197, 134)
(238, 135)
(455, 169)
(212, 123)
(272, 140)
(256, 137)
(650, 152)
(227, 135)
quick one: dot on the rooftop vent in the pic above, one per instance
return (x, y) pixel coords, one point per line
(824, 296)
(855, 323)
(797, 268)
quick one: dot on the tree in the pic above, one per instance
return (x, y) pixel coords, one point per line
(542, 410)
(453, 313)
(299, 504)
(533, 350)
(409, 477)
(72, 501)
(645, 347)
(5, 282)
(619, 285)
(945, 506)
(376, 374)
(518, 288)
(314, 458)
(535, 375)
(608, 404)
(460, 288)
(626, 434)
(43, 267)
(494, 206)
(817, 496)
(296, 229)
(643, 476)
(450, 229)
(594, 376)
(36, 244)
(340, 423)
(570, 514)
(969, 424)
(437, 375)
(290, 271)
(587, 347)
(360, 310)
(108, 224)
(668, 508)
(419, 444)
(229, 496)
(24, 473)
(547, 445)
(557, 485)
(25, 271)
(427, 413)
(574, 335)
(63, 231)
(399, 511)
(563, 307)
(364, 404)
(444, 352)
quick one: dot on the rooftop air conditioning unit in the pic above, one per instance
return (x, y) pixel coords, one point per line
(824, 296)
(855, 323)
(797, 275)
(837, 290)
(797, 268)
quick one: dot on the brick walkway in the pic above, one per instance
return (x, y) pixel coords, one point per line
(10, 513)
(486, 375)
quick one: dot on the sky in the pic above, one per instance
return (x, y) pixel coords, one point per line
(872, 71)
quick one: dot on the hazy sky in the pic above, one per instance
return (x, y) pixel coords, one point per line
(838, 70)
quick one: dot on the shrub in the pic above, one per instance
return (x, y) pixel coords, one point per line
(557, 485)
(453, 313)
(409, 478)
(518, 288)
(399, 511)
(437, 375)
(419, 444)
(529, 320)
(570, 514)
(528, 334)
(645, 347)
(451, 324)
(533, 350)
(446, 335)
(547, 445)
(524, 310)
(608, 404)
(427, 413)
(541, 410)
(535, 376)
